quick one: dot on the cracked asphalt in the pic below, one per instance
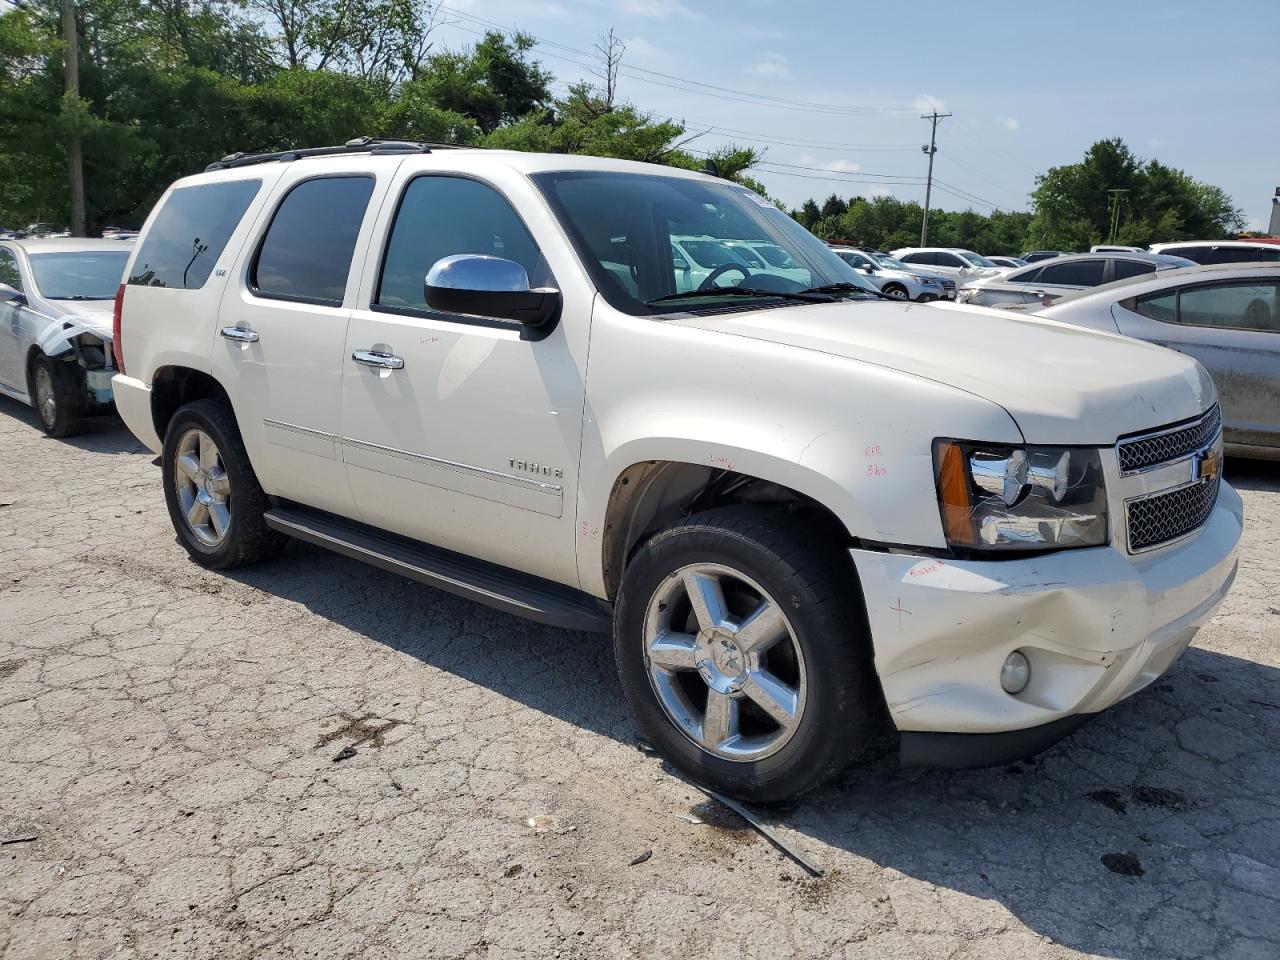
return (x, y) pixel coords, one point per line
(170, 781)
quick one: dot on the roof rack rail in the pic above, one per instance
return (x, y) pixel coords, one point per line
(358, 145)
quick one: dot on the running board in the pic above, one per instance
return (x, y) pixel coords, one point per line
(508, 590)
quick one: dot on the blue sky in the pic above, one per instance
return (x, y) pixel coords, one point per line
(1031, 85)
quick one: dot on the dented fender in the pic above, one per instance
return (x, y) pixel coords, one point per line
(56, 338)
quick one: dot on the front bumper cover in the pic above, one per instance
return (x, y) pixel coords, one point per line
(1096, 624)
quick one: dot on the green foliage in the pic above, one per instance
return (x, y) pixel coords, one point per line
(1073, 205)
(169, 85)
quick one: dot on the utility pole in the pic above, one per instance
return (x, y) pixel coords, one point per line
(1114, 197)
(931, 149)
(74, 155)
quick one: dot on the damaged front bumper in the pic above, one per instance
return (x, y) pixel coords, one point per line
(1096, 625)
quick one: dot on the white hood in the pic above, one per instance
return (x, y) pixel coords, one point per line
(1062, 384)
(95, 316)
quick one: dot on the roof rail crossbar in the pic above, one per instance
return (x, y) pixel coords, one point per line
(358, 145)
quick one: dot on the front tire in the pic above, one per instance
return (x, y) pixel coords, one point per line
(214, 498)
(56, 394)
(897, 291)
(744, 653)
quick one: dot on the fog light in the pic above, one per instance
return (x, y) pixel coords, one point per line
(1016, 672)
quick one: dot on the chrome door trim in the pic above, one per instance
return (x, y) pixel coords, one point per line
(524, 483)
(508, 478)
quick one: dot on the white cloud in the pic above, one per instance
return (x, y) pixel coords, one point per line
(927, 104)
(1009, 123)
(835, 166)
(554, 10)
(876, 191)
(773, 65)
(640, 47)
(658, 9)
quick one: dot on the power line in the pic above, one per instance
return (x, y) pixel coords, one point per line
(684, 83)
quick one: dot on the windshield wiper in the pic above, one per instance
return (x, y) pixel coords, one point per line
(845, 287)
(806, 296)
(78, 296)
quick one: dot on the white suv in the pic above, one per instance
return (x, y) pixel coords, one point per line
(799, 508)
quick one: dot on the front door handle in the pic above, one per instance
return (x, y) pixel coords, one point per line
(240, 334)
(375, 358)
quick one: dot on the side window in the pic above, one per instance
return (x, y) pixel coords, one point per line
(188, 235)
(1124, 269)
(1245, 306)
(1158, 306)
(1026, 276)
(440, 216)
(949, 260)
(916, 258)
(1077, 273)
(1271, 255)
(9, 270)
(306, 252)
(1198, 254)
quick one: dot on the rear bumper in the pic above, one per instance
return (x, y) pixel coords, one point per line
(133, 404)
(1097, 625)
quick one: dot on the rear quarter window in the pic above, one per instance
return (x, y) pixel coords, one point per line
(189, 233)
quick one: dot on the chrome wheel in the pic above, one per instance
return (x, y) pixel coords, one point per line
(46, 402)
(204, 490)
(724, 662)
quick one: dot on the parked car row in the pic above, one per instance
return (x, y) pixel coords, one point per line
(1045, 281)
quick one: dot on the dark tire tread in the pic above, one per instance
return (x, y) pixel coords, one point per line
(250, 540)
(825, 594)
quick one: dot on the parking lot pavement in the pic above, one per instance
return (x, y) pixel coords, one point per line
(170, 783)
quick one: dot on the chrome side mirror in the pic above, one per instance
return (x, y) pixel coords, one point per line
(484, 286)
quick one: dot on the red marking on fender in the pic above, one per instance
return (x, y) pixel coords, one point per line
(875, 470)
(872, 451)
(925, 571)
(723, 462)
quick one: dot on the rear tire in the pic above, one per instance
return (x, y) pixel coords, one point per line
(57, 395)
(214, 498)
(757, 718)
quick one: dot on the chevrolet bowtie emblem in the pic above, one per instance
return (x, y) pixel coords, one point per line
(1206, 465)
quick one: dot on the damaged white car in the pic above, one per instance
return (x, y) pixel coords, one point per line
(56, 298)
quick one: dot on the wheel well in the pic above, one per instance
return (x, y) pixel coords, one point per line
(894, 284)
(649, 496)
(172, 387)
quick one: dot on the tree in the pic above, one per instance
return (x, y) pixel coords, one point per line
(495, 82)
(1073, 203)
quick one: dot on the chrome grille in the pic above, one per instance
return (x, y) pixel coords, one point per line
(1170, 443)
(1167, 516)
(948, 283)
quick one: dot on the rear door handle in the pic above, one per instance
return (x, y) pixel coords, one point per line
(240, 334)
(375, 358)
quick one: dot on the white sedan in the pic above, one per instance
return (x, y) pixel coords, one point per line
(56, 298)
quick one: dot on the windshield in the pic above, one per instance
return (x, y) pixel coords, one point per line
(893, 264)
(85, 275)
(626, 227)
(977, 259)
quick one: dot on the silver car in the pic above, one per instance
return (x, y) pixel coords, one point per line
(1048, 280)
(1228, 318)
(56, 299)
(900, 283)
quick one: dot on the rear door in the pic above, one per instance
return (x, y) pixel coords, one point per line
(278, 346)
(1233, 328)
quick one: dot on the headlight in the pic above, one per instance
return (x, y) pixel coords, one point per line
(996, 497)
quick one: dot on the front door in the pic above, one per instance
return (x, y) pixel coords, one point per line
(459, 431)
(282, 326)
(1233, 328)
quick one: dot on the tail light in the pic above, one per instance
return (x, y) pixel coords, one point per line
(117, 348)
